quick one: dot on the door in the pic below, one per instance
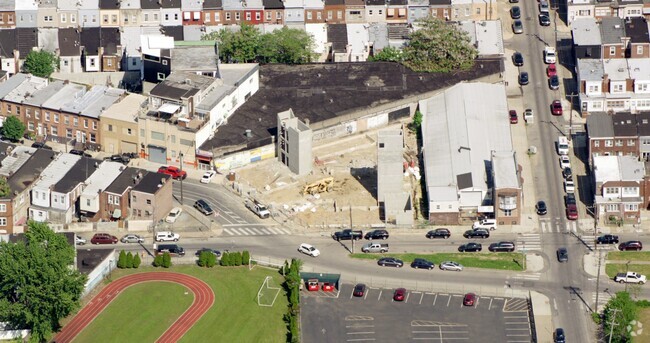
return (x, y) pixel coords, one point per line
(129, 147)
(157, 154)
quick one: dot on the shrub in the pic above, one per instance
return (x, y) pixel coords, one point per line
(129, 260)
(643, 303)
(225, 259)
(121, 261)
(237, 257)
(245, 257)
(136, 261)
(203, 258)
(211, 260)
(167, 260)
(158, 261)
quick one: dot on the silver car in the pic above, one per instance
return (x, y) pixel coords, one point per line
(517, 27)
(449, 265)
(131, 238)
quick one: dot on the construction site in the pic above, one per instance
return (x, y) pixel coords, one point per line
(341, 189)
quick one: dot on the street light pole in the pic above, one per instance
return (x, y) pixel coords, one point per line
(181, 156)
(571, 96)
(627, 269)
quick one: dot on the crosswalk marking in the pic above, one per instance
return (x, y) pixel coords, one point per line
(254, 231)
(529, 241)
(547, 226)
(528, 276)
(603, 298)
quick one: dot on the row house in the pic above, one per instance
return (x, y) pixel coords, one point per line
(213, 11)
(620, 186)
(66, 192)
(109, 12)
(397, 12)
(577, 9)
(119, 124)
(89, 200)
(473, 10)
(130, 13)
(114, 199)
(150, 13)
(192, 12)
(48, 39)
(70, 51)
(68, 13)
(440, 9)
(15, 46)
(41, 193)
(334, 11)
(26, 13)
(619, 134)
(100, 49)
(417, 9)
(170, 12)
(314, 12)
(355, 11)
(7, 13)
(385, 11)
(89, 13)
(151, 197)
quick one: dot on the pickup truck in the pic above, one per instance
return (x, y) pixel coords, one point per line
(257, 208)
(630, 277)
(375, 247)
(174, 172)
(347, 235)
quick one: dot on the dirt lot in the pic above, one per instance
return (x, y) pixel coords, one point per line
(351, 162)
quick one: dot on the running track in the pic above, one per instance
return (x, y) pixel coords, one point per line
(203, 300)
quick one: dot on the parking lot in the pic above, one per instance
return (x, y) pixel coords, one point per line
(422, 316)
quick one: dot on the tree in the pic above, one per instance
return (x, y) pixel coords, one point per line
(288, 46)
(5, 190)
(203, 258)
(41, 63)
(439, 47)
(245, 257)
(136, 261)
(121, 261)
(38, 287)
(166, 260)
(387, 54)
(240, 46)
(619, 312)
(13, 128)
(158, 261)
(129, 260)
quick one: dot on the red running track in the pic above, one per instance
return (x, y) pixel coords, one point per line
(203, 300)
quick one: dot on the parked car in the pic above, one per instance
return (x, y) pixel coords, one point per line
(630, 245)
(420, 263)
(216, 253)
(173, 215)
(528, 115)
(554, 82)
(544, 20)
(167, 236)
(518, 59)
(558, 336)
(517, 27)
(399, 294)
(450, 265)
(523, 78)
(630, 277)
(513, 1)
(562, 255)
(607, 239)
(377, 234)
(567, 173)
(485, 223)
(390, 262)
(131, 238)
(203, 207)
(308, 249)
(565, 162)
(347, 234)
(41, 145)
(513, 117)
(469, 299)
(103, 238)
(80, 153)
(515, 12)
(550, 55)
(328, 287)
(359, 290)
(174, 172)
(118, 159)
(207, 176)
(569, 199)
(551, 70)
(572, 212)
(172, 249)
(540, 207)
(439, 233)
(502, 247)
(79, 240)
(478, 233)
(470, 247)
(556, 108)
(569, 186)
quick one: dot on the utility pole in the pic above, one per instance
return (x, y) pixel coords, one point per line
(352, 237)
(600, 255)
(571, 96)
(611, 325)
(627, 269)
(181, 156)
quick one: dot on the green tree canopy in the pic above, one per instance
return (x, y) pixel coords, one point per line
(619, 312)
(13, 128)
(387, 54)
(438, 46)
(4, 187)
(38, 287)
(41, 63)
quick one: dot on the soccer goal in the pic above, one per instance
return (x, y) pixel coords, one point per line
(268, 293)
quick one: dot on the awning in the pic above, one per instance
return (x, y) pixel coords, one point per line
(197, 15)
(402, 12)
(117, 214)
(646, 10)
(169, 108)
(186, 15)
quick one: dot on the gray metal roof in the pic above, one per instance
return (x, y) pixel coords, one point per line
(12, 83)
(194, 58)
(611, 30)
(56, 170)
(590, 69)
(69, 91)
(94, 102)
(26, 89)
(586, 31)
(600, 125)
(504, 166)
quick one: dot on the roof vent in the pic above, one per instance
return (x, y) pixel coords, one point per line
(249, 133)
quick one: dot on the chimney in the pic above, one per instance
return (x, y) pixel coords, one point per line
(249, 134)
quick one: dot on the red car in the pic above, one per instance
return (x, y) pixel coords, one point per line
(103, 238)
(469, 299)
(174, 172)
(399, 294)
(513, 117)
(571, 212)
(556, 108)
(312, 285)
(359, 290)
(551, 70)
(328, 287)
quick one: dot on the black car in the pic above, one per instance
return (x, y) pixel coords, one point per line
(523, 78)
(470, 247)
(377, 234)
(570, 199)
(544, 20)
(478, 233)
(518, 59)
(439, 233)
(562, 255)
(41, 145)
(215, 252)
(502, 247)
(607, 239)
(630, 245)
(515, 12)
(203, 207)
(390, 262)
(567, 173)
(554, 82)
(540, 207)
(118, 158)
(80, 153)
(558, 336)
(359, 290)
(420, 263)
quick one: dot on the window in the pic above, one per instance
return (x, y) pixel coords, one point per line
(619, 142)
(146, 213)
(157, 135)
(93, 138)
(114, 18)
(478, 10)
(227, 15)
(173, 138)
(75, 121)
(37, 114)
(3, 221)
(66, 120)
(641, 87)
(278, 15)
(47, 116)
(68, 133)
(166, 16)
(92, 62)
(30, 126)
(217, 16)
(381, 12)
(329, 15)
(596, 144)
(54, 131)
(186, 142)
(631, 142)
(3, 207)
(109, 62)
(28, 113)
(609, 143)
(18, 110)
(141, 132)
(612, 50)
(146, 17)
(207, 17)
(319, 15)
(612, 207)
(94, 20)
(164, 62)
(258, 16)
(135, 199)
(128, 132)
(160, 76)
(369, 12)
(175, 16)
(87, 202)
(630, 191)
(63, 17)
(248, 16)
(8, 108)
(85, 18)
(110, 127)
(116, 200)
(94, 125)
(339, 14)
(65, 63)
(237, 16)
(148, 201)
(47, 18)
(639, 50)
(105, 19)
(611, 190)
(618, 87)
(466, 11)
(631, 207)
(173, 153)
(309, 15)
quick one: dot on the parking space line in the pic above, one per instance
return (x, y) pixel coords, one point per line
(286, 231)
(407, 298)
(361, 333)
(477, 300)
(360, 339)
(516, 329)
(490, 306)
(421, 297)
(448, 301)
(359, 326)
(365, 295)
(351, 293)
(440, 339)
(434, 300)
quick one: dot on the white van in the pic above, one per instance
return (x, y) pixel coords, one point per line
(167, 236)
(562, 145)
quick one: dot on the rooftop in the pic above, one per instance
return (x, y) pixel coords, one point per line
(26, 89)
(102, 178)
(78, 174)
(126, 180)
(643, 122)
(151, 182)
(639, 68)
(89, 259)
(12, 82)
(30, 170)
(637, 29)
(504, 165)
(60, 99)
(90, 40)
(600, 125)
(180, 85)
(486, 35)
(616, 69)
(612, 29)
(591, 69)
(69, 42)
(586, 31)
(15, 159)
(624, 124)
(39, 97)
(94, 102)
(337, 34)
(198, 58)
(56, 170)
(126, 109)
(618, 168)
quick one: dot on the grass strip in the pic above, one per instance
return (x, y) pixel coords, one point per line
(500, 261)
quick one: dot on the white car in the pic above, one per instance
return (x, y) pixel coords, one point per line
(79, 240)
(569, 186)
(207, 177)
(173, 215)
(167, 236)
(565, 162)
(488, 224)
(549, 55)
(449, 265)
(308, 249)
